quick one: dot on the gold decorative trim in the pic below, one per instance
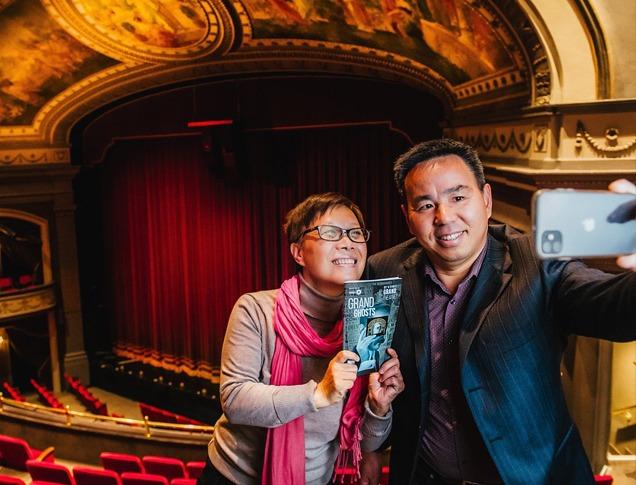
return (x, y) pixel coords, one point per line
(26, 302)
(34, 156)
(611, 147)
(217, 38)
(518, 141)
(484, 85)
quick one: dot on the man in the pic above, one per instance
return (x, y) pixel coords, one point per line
(481, 331)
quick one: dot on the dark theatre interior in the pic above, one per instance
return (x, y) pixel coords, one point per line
(149, 152)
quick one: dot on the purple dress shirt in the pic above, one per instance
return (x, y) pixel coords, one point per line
(451, 444)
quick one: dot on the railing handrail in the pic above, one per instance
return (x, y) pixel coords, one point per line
(68, 414)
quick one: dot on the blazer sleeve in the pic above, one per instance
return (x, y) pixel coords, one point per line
(592, 303)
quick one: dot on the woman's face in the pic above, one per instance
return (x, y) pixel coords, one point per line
(328, 264)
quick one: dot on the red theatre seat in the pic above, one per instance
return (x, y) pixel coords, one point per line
(603, 479)
(195, 468)
(95, 476)
(16, 452)
(130, 478)
(7, 480)
(166, 467)
(121, 462)
(183, 481)
(50, 472)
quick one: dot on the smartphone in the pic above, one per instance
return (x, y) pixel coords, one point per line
(570, 223)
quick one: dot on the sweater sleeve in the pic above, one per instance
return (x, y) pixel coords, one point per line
(375, 429)
(247, 348)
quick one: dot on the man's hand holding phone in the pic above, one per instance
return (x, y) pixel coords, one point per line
(623, 186)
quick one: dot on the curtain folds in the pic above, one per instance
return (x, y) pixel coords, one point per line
(181, 244)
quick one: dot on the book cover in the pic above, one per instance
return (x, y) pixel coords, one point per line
(370, 312)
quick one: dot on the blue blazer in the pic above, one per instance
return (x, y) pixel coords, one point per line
(511, 341)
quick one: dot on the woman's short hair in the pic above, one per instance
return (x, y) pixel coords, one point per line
(428, 150)
(300, 217)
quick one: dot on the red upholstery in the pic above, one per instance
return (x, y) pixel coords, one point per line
(50, 472)
(121, 463)
(16, 452)
(183, 481)
(6, 284)
(195, 468)
(130, 478)
(603, 479)
(13, 392)
(166, 467)
(95, 476)
(7, 480)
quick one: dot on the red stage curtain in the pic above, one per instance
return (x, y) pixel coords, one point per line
(182, 244)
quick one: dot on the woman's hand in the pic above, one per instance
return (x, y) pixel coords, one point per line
(385, 385)
(626, 187)
(338, 379)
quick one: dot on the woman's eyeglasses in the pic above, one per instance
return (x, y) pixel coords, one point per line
(335, 233)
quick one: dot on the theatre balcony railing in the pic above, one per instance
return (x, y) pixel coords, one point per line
(81, 436)
(86, 421)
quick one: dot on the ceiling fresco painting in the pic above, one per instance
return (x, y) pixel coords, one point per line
(145, 31)
(450, 37)
(169, 24)
(38, 60)
(62, 59)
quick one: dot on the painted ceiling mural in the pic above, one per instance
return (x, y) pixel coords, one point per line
(38, 60)
(449, 36)
(60, 59)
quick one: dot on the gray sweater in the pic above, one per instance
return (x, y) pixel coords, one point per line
(251, 405)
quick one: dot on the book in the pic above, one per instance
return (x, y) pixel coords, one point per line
(369, 316)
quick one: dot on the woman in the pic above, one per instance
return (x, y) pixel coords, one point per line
(292, 404)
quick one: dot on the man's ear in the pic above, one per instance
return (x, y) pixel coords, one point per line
(487, 194)
(296, 251)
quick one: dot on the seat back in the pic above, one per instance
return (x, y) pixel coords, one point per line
(166, 467)
(195, 468)
(7, 480)
(49, 472)
(183, 481)
(131, 478)
(15, 452)
(93, 476)
(121, 462)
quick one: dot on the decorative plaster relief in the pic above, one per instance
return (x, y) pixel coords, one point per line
(33, 156)
(25, 303)
(611, 147)
(504, 141)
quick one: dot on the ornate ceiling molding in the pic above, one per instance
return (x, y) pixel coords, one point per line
(218, 39)
(198, 29)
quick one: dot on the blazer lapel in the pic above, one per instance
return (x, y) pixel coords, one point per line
(416, 316)
(491, 281)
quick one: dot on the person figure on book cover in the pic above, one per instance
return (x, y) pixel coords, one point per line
(293, 408)
(481, 332)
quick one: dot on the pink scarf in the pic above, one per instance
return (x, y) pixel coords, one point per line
(295, 338)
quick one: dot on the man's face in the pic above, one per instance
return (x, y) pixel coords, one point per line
(446, 211)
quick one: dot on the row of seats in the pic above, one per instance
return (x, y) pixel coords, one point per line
(13, 392)
(15, 452)
(170, 468)
(162, 416)
(44, 473)
(93, 404)
(23, 281)
(46, 397)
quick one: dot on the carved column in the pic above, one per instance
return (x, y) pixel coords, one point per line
(75, 358)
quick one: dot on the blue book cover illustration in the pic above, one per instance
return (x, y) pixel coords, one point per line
(370, 312)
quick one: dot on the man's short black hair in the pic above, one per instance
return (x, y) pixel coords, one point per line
(434, 149)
